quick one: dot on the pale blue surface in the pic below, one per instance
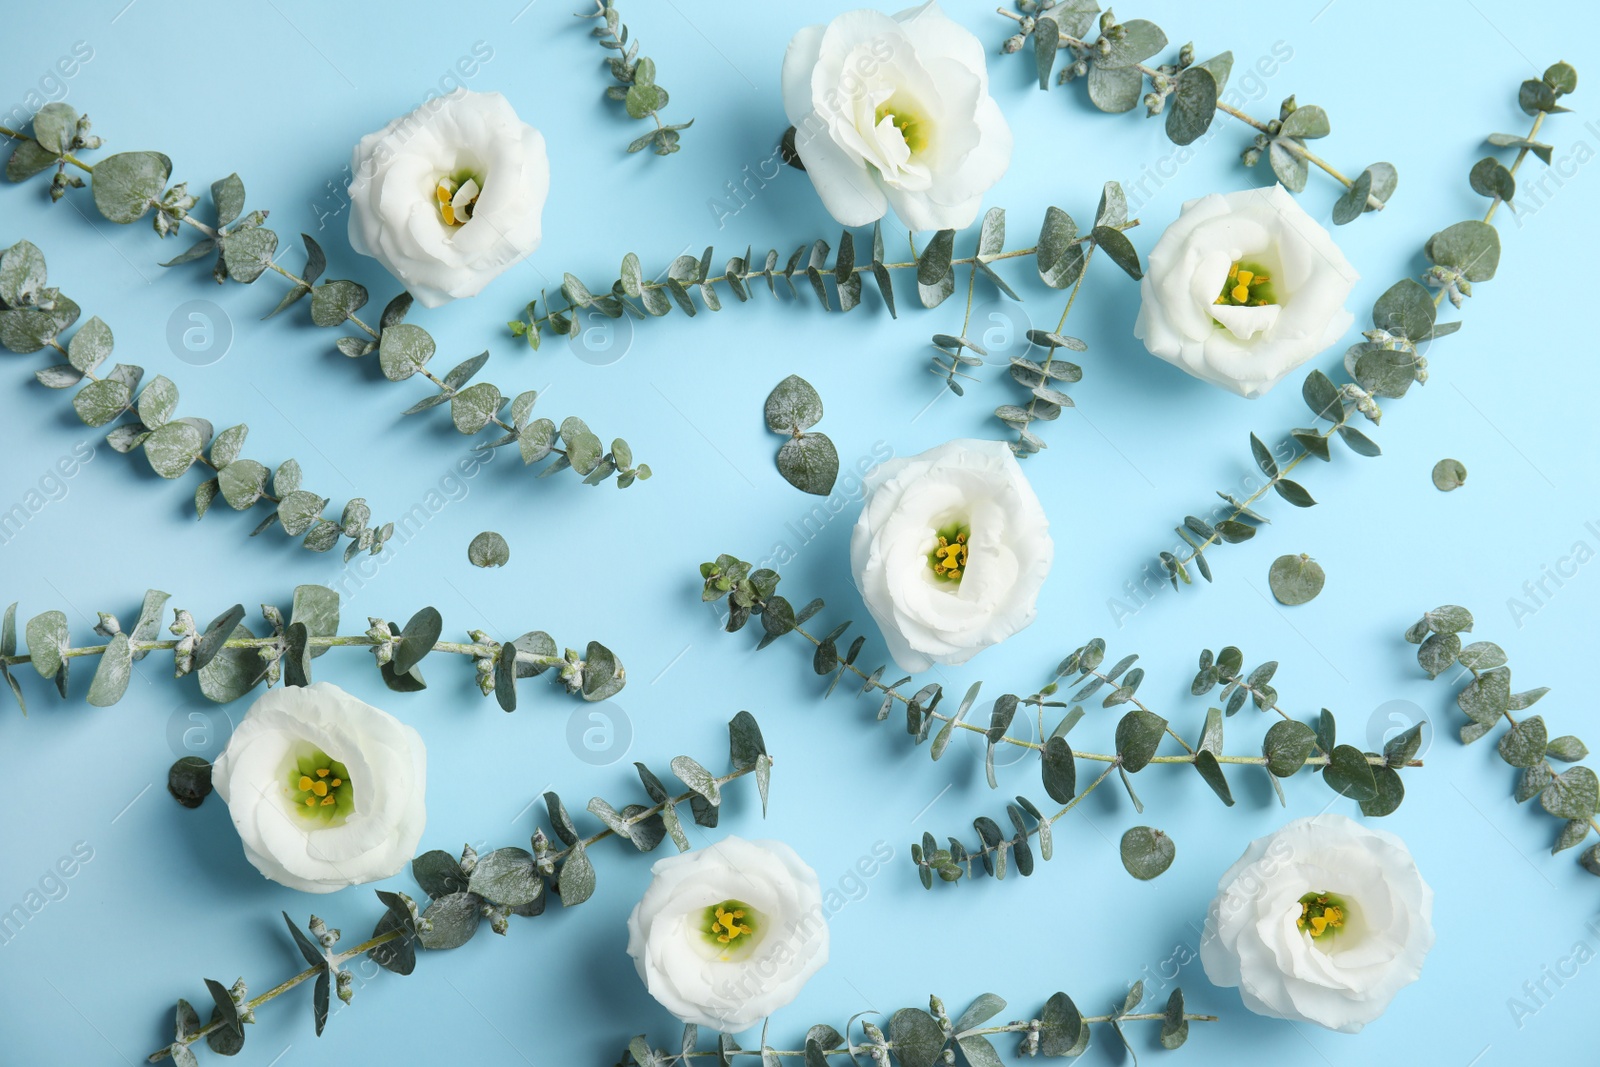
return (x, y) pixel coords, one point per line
(280, 92)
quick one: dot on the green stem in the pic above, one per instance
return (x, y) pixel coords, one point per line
(350, 317)
(1061, 323)
(65, 157)
(985, 1031)
(1289, 144)
(827, 272)
(476, 651)
(1189, 755)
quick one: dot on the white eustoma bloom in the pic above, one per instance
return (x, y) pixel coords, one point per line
(325, 790)
(950, 552)
(894, 111)
(727, 934)
(450, 195)
(1323, 922)
(1242, 289)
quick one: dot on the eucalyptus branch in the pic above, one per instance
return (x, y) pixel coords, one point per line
(918, 1038)
(1061, 255)
(1289, 745)
(636, 81)
(503, 883)
(230, 659)
(34, 316)
(1372, 779)
(1114, 68)
(1572, 795)
(133, 184)
(1390, 359)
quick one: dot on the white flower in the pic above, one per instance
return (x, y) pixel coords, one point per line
(950, 551)
(895, 112)
(1242, 289)
(325, 791)
(1323, 921)
(450, 195)
(726, 935)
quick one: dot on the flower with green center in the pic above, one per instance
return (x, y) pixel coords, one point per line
(1295, 950)
(727, 934)
(949, 556)
(449, 196)
(325, 790)
(1243, 288)
(319, 787)
(894, 112)
(1321, 915)
(1248, 285)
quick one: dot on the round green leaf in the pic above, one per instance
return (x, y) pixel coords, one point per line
(1295, 579)
(1147, 852)
(489, 549)
(173, 448)
(473, 407)
(128, 184)
(1287, 746)
(242, 482)
(405, 349)
(1449, 474)
(793, 405)
(809, 462)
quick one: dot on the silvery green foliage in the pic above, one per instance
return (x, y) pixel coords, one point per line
(636, 84)
(1060, 255)
(459, 894)
(918, 1038)
(1390, 359)
(1289, 745)
(129, 185)
(58, 132)
(1371, 779)
(34, 316)
(1113, 64)
(1572, 795)
(230, 659)
(807, 461)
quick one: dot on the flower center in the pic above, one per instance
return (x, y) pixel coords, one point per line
(1248, 285)
(1321, 914)
(730, 926)
(949, 557)
(457, 195)
(913, 128)
(319, 787)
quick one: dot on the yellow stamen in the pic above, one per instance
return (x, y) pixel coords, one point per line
(1320, 913)
(305, 783)
(320, 788)
(328, 800)
(311, 801)
(444, 194)
(727, 920)
(322, 772)
(336, 783)
(1246, 287)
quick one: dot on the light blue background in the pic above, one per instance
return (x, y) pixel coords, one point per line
(280, 91)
